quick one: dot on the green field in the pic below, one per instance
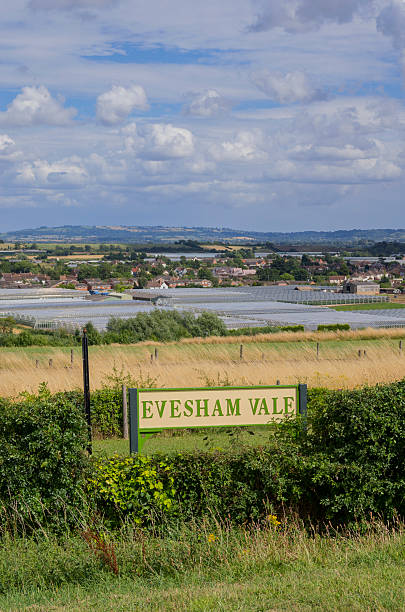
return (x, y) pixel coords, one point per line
(370, 306)
(172, 441)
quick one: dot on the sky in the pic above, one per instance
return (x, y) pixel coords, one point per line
(268, 115)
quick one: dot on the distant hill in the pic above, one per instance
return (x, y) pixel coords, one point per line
(160, 234)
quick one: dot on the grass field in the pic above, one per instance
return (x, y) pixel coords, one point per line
(182, 441)
(287, 357)
(370, 306)
(207, 567)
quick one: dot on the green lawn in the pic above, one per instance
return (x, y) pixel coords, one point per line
(173, 442)
(370, 306)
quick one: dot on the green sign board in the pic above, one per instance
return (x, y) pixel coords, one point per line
(152, 410)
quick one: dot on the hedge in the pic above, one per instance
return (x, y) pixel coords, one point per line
(42, 461)
(105, 406)
(349, 464)
(333, 327)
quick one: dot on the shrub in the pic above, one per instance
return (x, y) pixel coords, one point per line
(135, 486)
(361, 433)
(42, 463)
(105, 407)
(334, 327)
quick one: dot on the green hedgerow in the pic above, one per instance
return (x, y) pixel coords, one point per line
(137, 486)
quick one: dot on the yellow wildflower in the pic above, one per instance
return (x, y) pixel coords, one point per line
(211, 537)
(272, 520)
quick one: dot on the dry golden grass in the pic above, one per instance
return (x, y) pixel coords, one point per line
(290, 358)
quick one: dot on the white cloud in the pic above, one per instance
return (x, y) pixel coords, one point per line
(306, 15)
(244, 147)
(207, 104)
(8, 151)
(291, 87)
(36, 106)
(354, 172)
(160, 141)
(66, 173)
(115, 105)
(318, 153)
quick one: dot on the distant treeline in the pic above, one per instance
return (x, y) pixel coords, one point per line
(159, 326)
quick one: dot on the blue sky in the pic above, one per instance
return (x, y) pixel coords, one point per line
(278, 115)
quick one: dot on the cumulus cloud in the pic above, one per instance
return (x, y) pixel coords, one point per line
(244, 147)
(391, 22)
(36, 106)
(115, 105)
(158, 141)
(291, 87)
(8, 149)
(348, 120)
(305, 15)
(354, 172)
(207, 104)
(333, 153)
(65, 173)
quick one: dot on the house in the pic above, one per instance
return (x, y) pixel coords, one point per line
(337, 280)
(135, 270)
(361, 288)
(11, 279)
(96, 284)
(157, 283)
(227, 271)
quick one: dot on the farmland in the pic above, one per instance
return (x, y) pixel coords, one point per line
(375, 306)
(289, 357)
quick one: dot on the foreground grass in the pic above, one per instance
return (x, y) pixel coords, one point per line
(370, 306)
(207, 567)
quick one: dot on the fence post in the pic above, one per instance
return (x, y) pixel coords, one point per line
(156, 354)
(86, 387)
(50, 363)
(400, 346)
(241, 351)
(124, 413)
(37, 363)
(317, 350)
(71, 357)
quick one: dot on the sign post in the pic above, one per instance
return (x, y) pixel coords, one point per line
(86, 387)
(152, 410)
